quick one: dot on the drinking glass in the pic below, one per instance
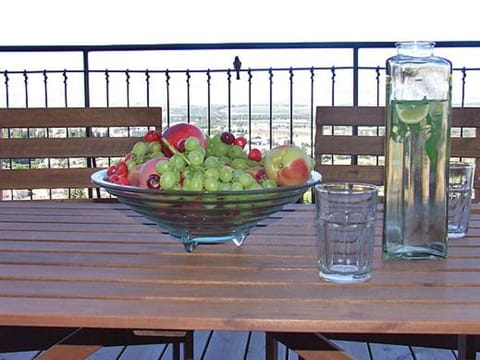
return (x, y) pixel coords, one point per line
(460, 187)
(345, 224)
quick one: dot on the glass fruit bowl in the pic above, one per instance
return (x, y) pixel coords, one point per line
(198, 217)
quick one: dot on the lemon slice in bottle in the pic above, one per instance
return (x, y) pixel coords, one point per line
(412, 112)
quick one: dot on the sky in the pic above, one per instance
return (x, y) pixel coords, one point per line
(106, 22)
(92, 22)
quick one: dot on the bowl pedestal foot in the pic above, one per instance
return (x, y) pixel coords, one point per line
(190, 243)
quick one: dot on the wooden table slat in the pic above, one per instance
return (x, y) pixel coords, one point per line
(100, 264)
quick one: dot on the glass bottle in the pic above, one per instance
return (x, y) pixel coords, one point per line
(417, 151)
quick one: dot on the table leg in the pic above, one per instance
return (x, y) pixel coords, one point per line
(467, 347)
(271, 347)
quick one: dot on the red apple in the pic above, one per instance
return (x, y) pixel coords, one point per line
(178, 133)
(288, 165)
(146, 169)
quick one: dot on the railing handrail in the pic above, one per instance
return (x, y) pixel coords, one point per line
(226, 46)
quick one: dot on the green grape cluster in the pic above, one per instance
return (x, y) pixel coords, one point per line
(143, 151)
(219, 167)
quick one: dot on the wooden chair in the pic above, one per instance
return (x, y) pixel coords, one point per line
(349, 142)
(49, 150)
(57, 149)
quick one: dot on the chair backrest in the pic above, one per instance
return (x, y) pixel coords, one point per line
(349, 142)
(57, 149)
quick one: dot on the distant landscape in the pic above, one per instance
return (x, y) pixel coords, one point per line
(280, 121)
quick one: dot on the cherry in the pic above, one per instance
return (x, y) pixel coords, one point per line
(227, 137)
(151, 136)
(255, 155)
(114, 178)
(112, 169)
(123, 180)
(240, 141)
(122, 169)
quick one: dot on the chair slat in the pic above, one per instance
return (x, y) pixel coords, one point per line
(365, 173)
(67, 147)
(347, 145)
(328, 142)
(80, 117)
(342, 115)
(47, 178)
(87, 148)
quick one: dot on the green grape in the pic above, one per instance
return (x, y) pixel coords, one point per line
(269, 184)
(236, 152)
(154, 147)
(240, 164)
(246, 180)
(186, 183)
(224, 186)
(139, 150)
(169, 179)
(236, 186)
(225, 160)
(187, 172)
(222, 149)
(131, 163)
(192, 143)
(211, 162)
(216, 139)
(196, 157)
(210, 184)
(163, 166)
(226, 174)
(237, 173)
(212, 173)
(196, 183)
(211, 151)
(254, 186)
(155, 155)
(178, 162)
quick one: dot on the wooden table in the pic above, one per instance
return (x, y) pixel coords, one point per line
(100, 265)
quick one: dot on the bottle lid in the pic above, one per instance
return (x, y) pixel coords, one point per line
(415, 48)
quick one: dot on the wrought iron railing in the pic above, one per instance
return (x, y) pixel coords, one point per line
(266, 91)
(275, 96)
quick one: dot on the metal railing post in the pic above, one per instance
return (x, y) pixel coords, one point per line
(355, 76)
(86, 78)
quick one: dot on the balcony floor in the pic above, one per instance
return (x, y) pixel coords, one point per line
(223, 345)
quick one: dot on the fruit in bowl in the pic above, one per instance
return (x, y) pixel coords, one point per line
(288, 165)
(208, 192)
